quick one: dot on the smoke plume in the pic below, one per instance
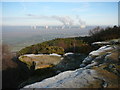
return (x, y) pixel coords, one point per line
(65, 20)
(82, 23)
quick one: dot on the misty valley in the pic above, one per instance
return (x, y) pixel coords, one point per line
(22, 36)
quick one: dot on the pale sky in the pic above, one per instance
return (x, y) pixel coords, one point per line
(55, 13)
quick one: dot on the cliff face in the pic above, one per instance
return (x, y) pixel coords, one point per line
(100, 69)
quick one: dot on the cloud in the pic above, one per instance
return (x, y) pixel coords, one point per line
(30, 15)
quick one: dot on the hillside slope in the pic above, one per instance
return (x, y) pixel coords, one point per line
(59, 46)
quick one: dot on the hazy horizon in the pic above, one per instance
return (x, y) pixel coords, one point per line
(19, 37)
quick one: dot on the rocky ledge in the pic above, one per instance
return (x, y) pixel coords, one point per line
(100, 69)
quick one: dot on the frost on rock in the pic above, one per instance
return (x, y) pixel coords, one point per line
(104, 47)
(87, 60)
(102, 50)
(54, 54)
(91, 65)
(33, 55)
(98, 56)
(69, 79)
(70, 53)
(100, 43)
(93, 72)
(29, 55)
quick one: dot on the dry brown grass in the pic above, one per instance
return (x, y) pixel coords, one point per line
(43, 66)
(109, 77)
(113, 56)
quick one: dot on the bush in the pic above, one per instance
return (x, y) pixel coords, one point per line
(7, 58)
(100, 34)
(38, 49)
(59, 46)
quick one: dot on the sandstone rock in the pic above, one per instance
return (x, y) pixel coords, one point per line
(100, 69)
(40, 60)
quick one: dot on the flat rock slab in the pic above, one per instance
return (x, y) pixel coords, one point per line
(40, 61)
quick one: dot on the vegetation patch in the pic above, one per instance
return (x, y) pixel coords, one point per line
(59, 46)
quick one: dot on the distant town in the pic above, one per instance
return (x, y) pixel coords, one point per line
(57, 27)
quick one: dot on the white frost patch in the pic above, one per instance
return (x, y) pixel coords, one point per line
(49, 81)
(103, 47)
(68, 53)
(54, 54)
(31, 55)
(91, 65)
(68, 79)
(95, 53)
(104, 50)
(100, 43)
(101, 50)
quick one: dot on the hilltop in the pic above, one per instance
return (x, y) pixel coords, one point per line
(80, 48)
(37, 62)
(100, 69)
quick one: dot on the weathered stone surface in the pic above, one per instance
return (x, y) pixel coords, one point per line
(69, 79)
(41, 60)
(101, 69)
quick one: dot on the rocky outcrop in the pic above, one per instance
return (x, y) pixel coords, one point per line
(68, 79)
(40, 61)
(100, 69)
(106, 54)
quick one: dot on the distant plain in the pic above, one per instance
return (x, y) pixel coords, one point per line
(21, 36)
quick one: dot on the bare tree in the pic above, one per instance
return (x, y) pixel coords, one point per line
(95, 31)
(7, 58)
